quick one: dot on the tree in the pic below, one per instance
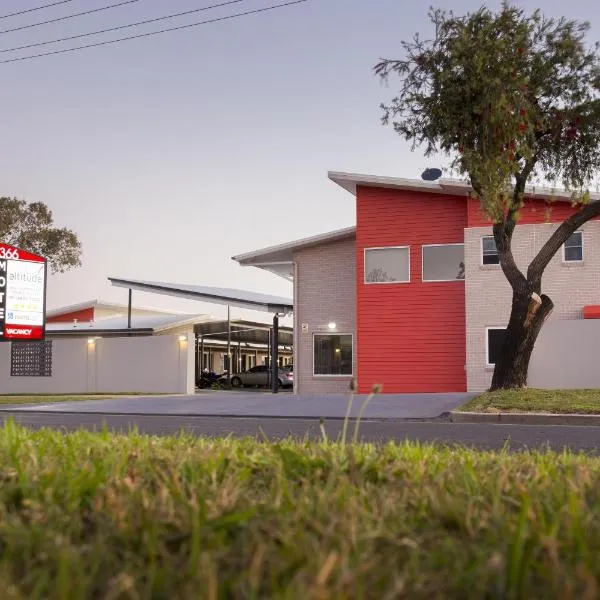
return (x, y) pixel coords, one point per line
(31, 227)
(511, 99)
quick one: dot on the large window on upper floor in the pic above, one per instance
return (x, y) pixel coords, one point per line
(387, 265)
(332, 354)
(443, 262)
(573, 248)
(489, 252)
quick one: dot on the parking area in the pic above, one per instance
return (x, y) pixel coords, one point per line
(264, 404)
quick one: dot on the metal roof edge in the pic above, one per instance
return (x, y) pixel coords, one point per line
(456, 187)
(305, 242)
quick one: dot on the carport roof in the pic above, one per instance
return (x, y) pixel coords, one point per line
(245, 332)
(214, 295)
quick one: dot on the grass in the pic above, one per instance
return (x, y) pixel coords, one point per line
(585, 402)
(87, 515)
(49, 398)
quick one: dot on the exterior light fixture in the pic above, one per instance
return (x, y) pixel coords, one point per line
(91, 341)
(332, 325)
(183, 338)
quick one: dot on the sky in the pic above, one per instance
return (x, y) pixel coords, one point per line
(170, 154)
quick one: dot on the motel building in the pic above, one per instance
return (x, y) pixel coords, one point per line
(412, 297)
(103, 347)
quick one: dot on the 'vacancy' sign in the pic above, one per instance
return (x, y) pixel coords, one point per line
(22, 294)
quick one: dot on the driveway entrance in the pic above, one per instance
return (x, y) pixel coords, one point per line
(253, 404)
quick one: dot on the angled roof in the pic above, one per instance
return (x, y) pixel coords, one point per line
(279, 258)
(214, 295)
(454, 187)
(140, 324)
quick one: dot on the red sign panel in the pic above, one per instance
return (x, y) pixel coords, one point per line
(22, 294)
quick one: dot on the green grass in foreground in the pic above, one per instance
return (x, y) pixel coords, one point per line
(532, 400)
(88, 515)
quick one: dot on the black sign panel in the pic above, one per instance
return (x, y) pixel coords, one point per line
(31, 359)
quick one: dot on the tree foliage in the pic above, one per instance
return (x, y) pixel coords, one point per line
(30, 226)
(511, 98)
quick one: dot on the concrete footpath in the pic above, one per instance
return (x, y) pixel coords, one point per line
(252, 404)
(515, 418)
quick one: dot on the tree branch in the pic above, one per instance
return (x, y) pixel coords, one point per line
(559, 237)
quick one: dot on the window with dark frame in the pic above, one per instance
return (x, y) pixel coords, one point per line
(573, 248)
(31, 359)
(495, 343)
(332, 354)
(489, 251)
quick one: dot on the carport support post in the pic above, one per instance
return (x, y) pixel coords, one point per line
(274, 355)
(229, 345)
(129, 309)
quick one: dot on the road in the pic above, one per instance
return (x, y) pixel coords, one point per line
(483, 436)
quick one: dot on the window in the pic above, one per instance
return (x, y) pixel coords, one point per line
(494, 344)
(332, 354)
(387, 265)
(573, 248)
(444, 262)
(489, 252)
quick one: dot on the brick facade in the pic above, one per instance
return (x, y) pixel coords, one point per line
(325, 291)
(488, 295)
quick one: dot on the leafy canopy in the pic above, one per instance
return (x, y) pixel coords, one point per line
(31, 227)
(510, 96)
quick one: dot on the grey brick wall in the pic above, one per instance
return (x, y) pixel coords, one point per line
(488, 295)
(325, 291)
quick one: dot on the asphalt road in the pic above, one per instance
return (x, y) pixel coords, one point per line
(483, 436)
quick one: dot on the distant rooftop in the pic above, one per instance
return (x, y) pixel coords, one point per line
(104, 306)
(140, 324)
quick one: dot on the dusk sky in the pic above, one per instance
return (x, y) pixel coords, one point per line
(172, 153)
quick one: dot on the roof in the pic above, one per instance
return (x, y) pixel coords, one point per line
(244, 332)
(454, 187)
(101, 305)
(214, 295)
(281, 254)
(140, 324)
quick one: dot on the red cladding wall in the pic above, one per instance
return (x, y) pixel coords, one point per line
(411, 336)
(82, 316)
(534, 212)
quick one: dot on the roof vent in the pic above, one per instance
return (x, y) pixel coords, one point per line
(74, 322)
(431, 174)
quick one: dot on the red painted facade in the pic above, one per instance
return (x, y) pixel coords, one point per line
(534, 212)
(82, 316)
(411, 337)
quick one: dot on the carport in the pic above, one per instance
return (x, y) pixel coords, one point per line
(275, 305)
(247, 337)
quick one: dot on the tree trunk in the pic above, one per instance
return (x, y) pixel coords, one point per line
(529, 311)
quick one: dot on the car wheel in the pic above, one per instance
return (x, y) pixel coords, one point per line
(236, 382)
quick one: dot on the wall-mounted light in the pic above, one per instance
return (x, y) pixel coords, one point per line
(183, 338)
(332, 325)
(91, 341)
